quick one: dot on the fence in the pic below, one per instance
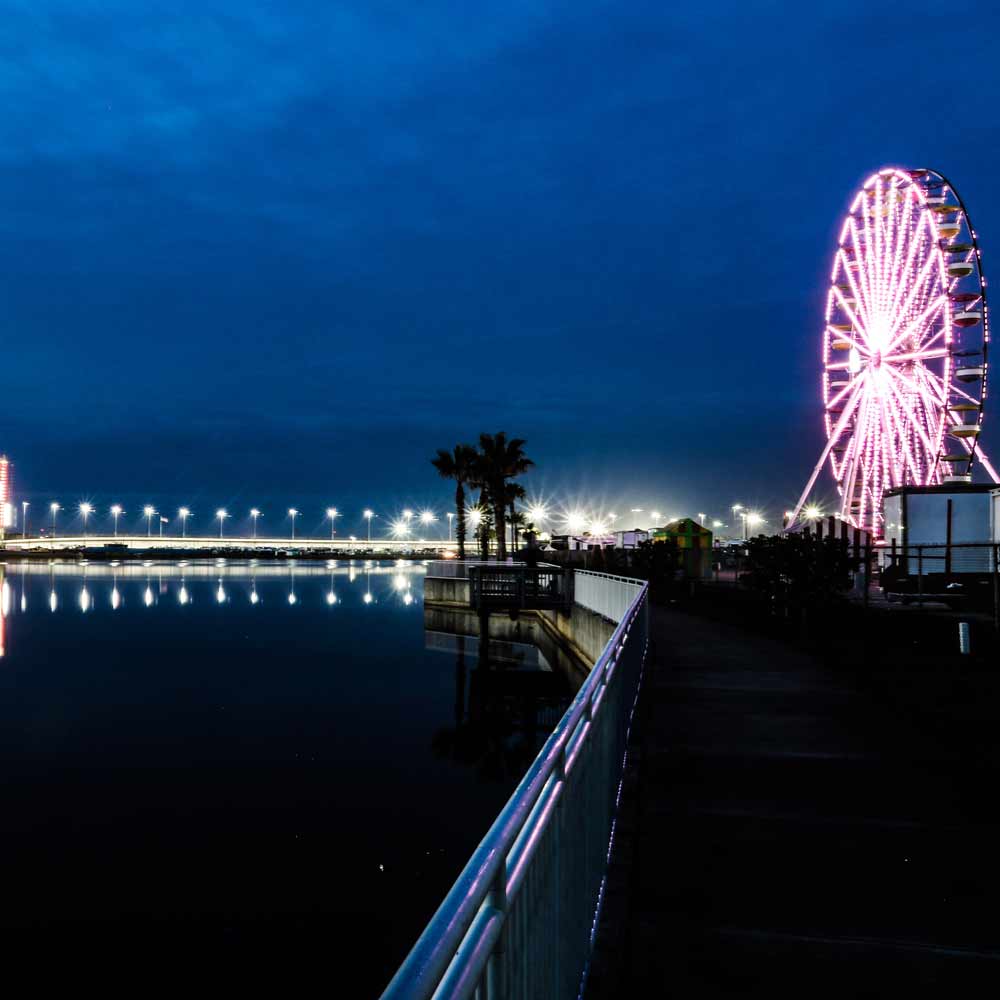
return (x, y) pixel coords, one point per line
(458, 569)
(520, 920)
(519, 586)
(609, 596)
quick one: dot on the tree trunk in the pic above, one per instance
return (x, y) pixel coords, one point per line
(460, 517)
(500, 524)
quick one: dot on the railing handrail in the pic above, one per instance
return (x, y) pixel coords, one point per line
(611, 576)
(424, 968)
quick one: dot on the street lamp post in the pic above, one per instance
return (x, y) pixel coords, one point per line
(116, 510)
(24, 518)
(293, 513)
(148, 511)
(369, 514)
(184, 514)
(254, 514)
(85, 510)
(332, 513)
(221, 514)
(54, 507)
(163, 521)
(450, 515)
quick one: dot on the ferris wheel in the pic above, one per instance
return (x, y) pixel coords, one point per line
(904, 345)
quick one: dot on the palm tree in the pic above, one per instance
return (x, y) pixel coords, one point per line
(512, 493)
(502, 460)
(460, 465)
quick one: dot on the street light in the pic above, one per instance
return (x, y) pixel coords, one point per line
(333, 514)
(85, 509)
(25, 504)
(449, 515)
(148, 511)
(369, 514)
(54, 507)
(221, 514)
(751, 519)
(293, 513)
(254, 513)
(116, 512)
(427, 518)
(701, 518)
(184, 514)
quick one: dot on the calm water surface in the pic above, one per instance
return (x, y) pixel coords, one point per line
(211, 762)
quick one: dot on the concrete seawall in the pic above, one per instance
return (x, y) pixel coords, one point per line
(581, 633)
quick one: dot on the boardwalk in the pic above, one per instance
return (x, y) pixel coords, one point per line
(783, 834)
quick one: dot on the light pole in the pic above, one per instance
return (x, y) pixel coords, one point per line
(116, 510)
(254, 513)
(184, 514)
(85, 511)
(293, 513)
(221, 514)
(449, 515)
(148, 511)
(54, 507)
(24, 518)
(333, 514)
(163, 521)
(427, 518)
(369, 514)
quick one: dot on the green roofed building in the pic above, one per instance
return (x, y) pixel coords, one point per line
(694, 543)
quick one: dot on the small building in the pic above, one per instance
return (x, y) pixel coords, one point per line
(694, 542)
(936, 518)
(686, 533)
(631, 538)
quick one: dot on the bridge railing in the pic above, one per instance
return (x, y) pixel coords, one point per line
(520, 919)
(458, 569)
(607, 595)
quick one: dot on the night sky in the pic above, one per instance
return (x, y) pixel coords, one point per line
(279, 254)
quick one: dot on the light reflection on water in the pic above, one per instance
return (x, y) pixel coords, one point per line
(301, 722)
(87, 587)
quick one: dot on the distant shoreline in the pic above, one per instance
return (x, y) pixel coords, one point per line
(178, 554)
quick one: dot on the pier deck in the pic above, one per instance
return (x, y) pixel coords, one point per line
(783, 832)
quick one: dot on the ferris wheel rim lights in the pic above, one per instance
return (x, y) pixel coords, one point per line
(904, 344)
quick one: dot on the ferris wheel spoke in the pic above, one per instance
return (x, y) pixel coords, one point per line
(860, 296)
(912, 417)
(924, 277)
(937, 352)
(852, 315)
(918, 322)
(903, 436)
(916, 243)
(903, 240)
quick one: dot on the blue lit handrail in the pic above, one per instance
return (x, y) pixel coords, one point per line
(484, 880)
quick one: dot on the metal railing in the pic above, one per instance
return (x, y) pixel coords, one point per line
(520, 919)
(458, 569)
(520, 586)
(609, 596)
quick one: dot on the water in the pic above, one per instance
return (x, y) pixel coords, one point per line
(207, 762)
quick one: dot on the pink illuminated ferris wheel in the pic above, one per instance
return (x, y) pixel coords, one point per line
(904, 346)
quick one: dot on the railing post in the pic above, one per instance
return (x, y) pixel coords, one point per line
(494, 969)
(920, 575)
(996, 587)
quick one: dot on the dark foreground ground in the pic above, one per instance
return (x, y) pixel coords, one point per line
(806, 822)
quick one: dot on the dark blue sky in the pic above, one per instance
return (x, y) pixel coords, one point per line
(280, 253)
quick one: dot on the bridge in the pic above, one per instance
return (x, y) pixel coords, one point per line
(213, 544)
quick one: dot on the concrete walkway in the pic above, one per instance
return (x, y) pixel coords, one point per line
(783, 834)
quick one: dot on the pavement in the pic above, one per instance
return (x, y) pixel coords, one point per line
(785, 832)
